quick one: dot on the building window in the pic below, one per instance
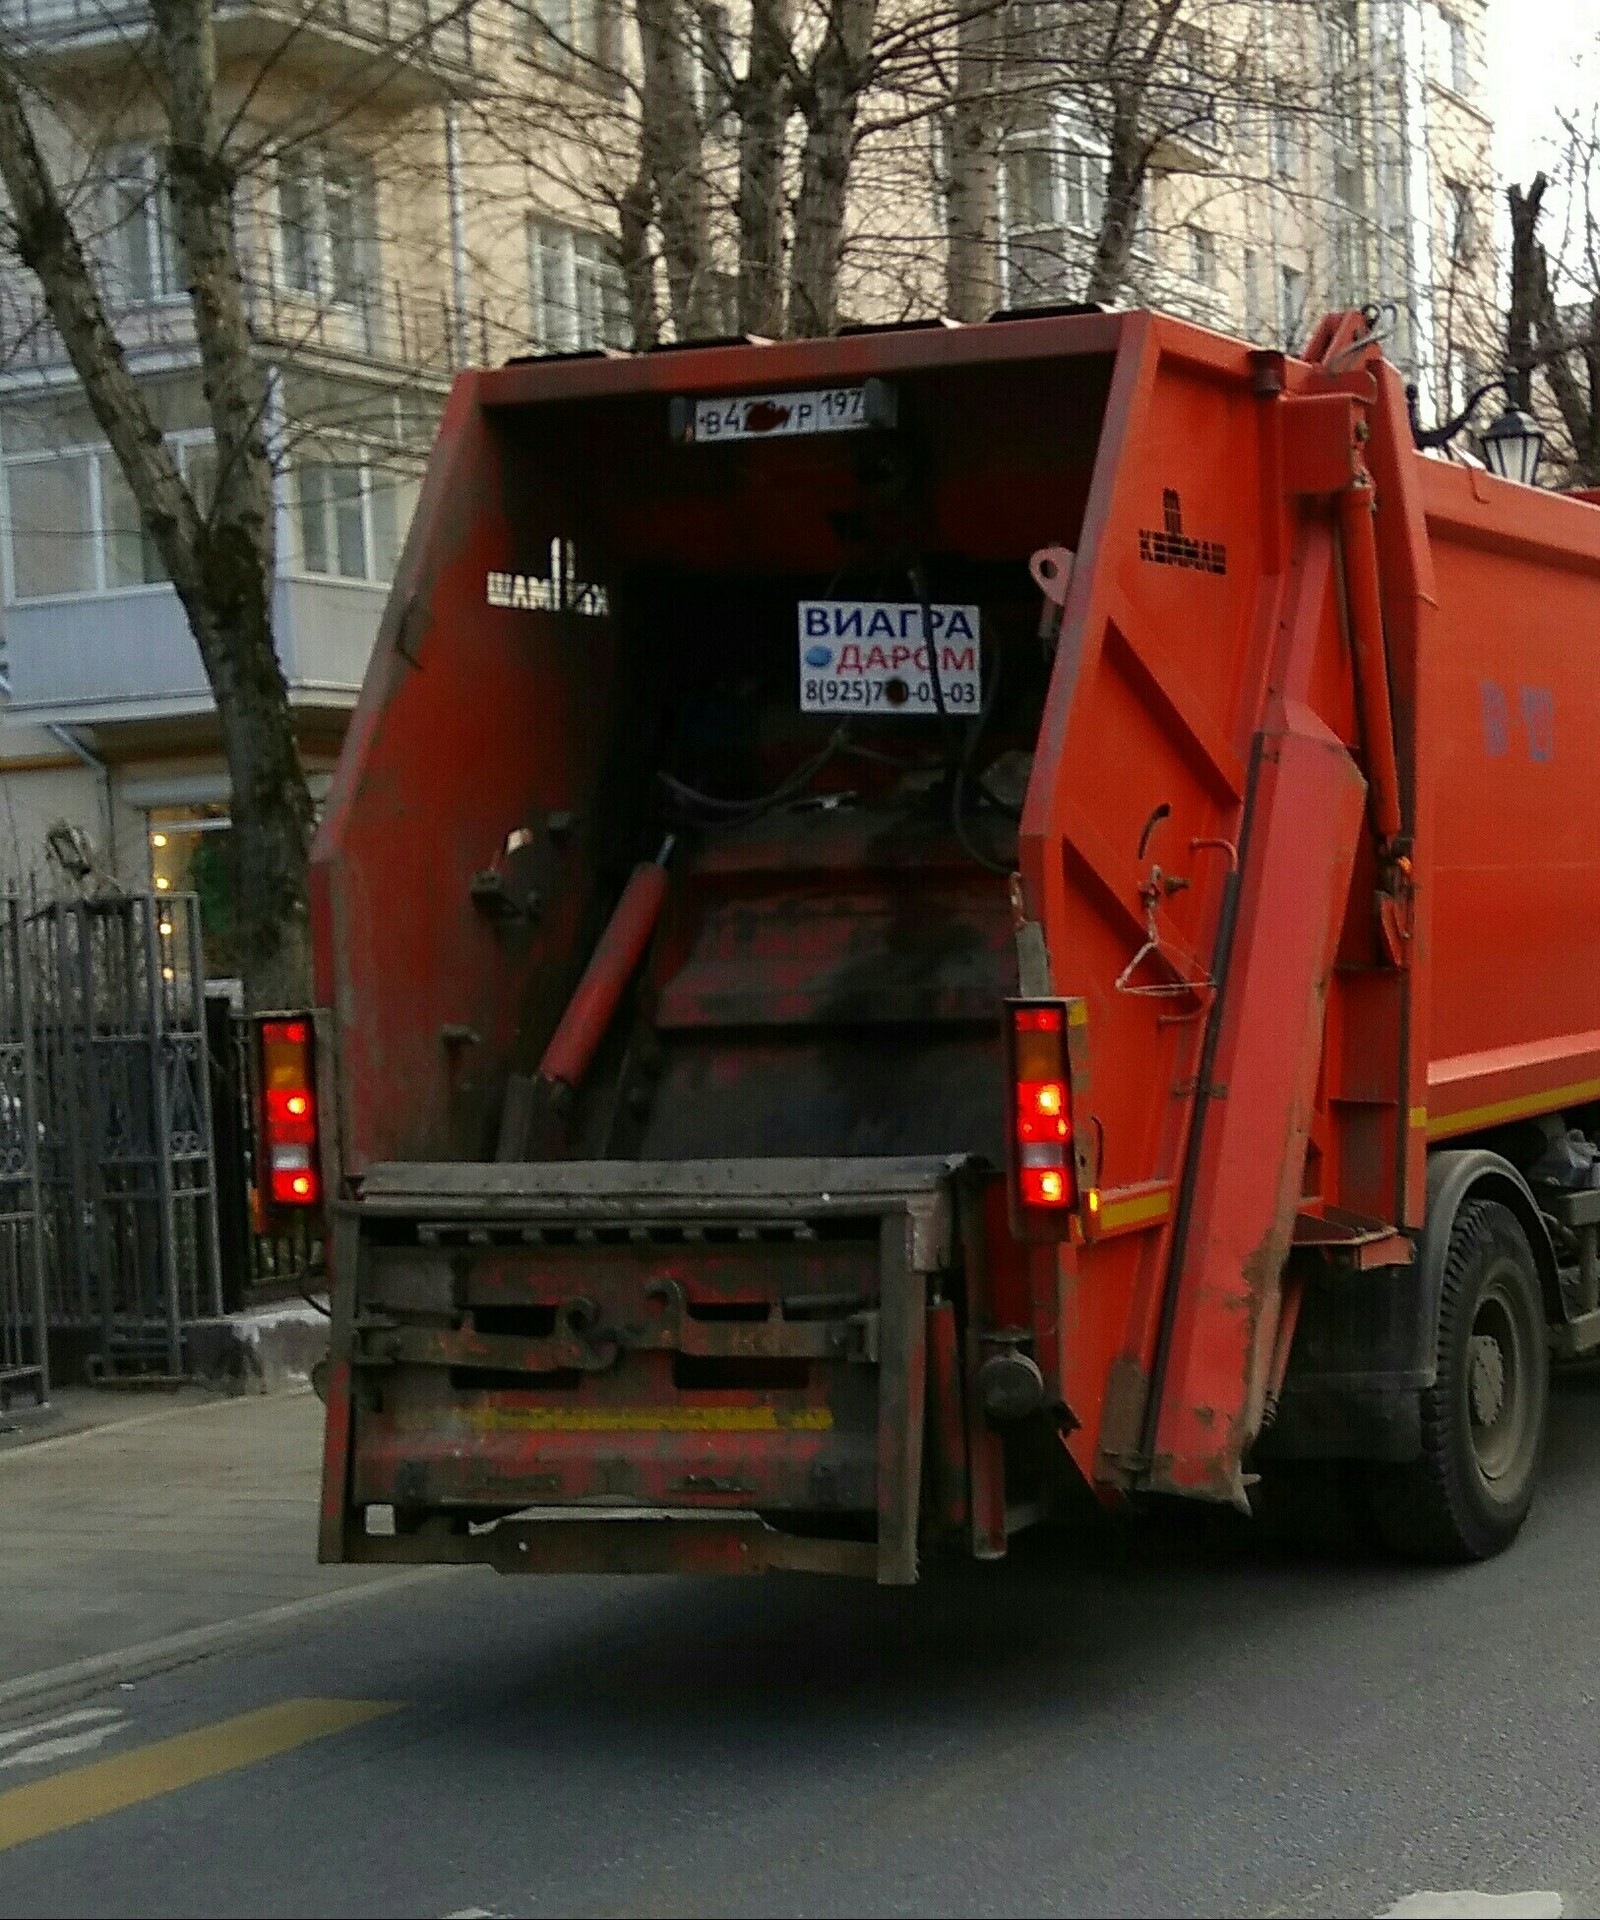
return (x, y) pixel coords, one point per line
(579, 301)
(1291, 307)
(1195, 103)
(1455, 65)
(574, 36)
(1031, 189)
(72, 525)
(1463, 222)
(141, 255)
(1251, 276)
(327, 226)
(1085, 181)
(353, 515)
(1285, 139)
(191, 851)
(1202, 256)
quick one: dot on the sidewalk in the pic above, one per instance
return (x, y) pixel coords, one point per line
(168, 1521)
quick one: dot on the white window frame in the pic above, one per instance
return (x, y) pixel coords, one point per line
(1073, 154)
(153, 214)
(1204, 263)
(96, 452)
(1455, 52)
(371, 464)
(561, 46)
(1250, 287)
(358, 179)
(1286, 151)
(573, 247)
(1291, 327)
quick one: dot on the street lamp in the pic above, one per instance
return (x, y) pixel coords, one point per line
(1512, 445)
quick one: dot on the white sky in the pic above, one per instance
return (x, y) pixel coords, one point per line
(1542, 56)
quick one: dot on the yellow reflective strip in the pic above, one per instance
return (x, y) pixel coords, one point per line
(650, 1419)
(1419, 1116)
(1077, 1013)
(1471, 1118)
(1141, 1207)
(107, 1786)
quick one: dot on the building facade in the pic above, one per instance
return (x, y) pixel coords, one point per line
(430, 186)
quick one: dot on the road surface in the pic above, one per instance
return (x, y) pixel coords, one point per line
(1135, 1722)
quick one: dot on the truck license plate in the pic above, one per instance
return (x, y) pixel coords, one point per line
(773, 416)
(868, 656)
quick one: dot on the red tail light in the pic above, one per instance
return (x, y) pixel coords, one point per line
(1044, 1183)
(289, 1159)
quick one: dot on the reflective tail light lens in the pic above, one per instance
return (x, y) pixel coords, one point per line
(289, 1158)
(1044, 1184)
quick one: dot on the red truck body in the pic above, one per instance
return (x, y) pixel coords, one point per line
(1303, 859)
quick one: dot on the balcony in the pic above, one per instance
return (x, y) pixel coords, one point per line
(400, 49)
(392, 325)
(1192, 140)
(104, 659)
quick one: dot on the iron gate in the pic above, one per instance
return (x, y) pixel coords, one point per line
(127, 1177)
(24, 1347)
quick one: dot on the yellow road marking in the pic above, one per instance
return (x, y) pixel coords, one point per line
(106, 1786)
(652, 1419)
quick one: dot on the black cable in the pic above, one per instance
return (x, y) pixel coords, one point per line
(919, 586)
(743, 812)
(964, 770)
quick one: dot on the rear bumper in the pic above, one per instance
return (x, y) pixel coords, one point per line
(646, 1367)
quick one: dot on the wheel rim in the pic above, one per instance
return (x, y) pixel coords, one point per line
(1499, 1385)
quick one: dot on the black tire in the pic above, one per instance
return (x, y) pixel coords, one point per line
(1483, 1421)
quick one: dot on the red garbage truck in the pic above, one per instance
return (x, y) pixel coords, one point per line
(912, 919)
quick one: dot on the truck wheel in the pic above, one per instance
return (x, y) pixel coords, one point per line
(1483, 1420)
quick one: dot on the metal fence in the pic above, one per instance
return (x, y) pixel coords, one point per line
(127, 1170)
(24, 1346)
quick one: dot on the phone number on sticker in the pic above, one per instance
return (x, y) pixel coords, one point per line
(839, 696)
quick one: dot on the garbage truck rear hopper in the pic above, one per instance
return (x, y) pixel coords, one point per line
(909, 920)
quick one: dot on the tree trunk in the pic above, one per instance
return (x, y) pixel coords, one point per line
(764, 107)
(839, 73)
(231, 615)
(1129, 59)
(638, 269)
(973, 137)
(1126, 167)
(1522, 317)
(1535, 337)
(670, 134)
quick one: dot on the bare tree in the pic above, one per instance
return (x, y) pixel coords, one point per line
(1553, 309)
(977, 122)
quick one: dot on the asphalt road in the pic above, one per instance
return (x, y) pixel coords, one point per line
(1137, 1722)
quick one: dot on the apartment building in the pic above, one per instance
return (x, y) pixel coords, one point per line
(1318, 156)
(432, 184)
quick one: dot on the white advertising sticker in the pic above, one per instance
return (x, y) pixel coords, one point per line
(870, 656)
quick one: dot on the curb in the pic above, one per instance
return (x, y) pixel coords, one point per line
(54, 1686)
(25, 1448)
(260, 1350)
